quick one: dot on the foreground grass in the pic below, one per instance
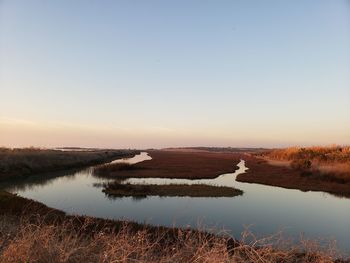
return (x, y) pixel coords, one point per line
(29, 235)
(30, 161)
(116, 189)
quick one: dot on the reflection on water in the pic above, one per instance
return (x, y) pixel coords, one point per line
(32, 182)
(268, 208)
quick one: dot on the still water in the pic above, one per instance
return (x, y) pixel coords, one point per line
(265, 209)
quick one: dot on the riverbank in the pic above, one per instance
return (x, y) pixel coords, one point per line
(32, 232)
(21, 163)
(175, 164)
(117, 189)
(262, 171)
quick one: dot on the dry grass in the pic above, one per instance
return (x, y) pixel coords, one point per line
(37, 241)
(320, 154)
(312, 168)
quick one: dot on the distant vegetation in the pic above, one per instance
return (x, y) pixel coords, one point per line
(117, 189)
(52, 236)
(30, 161)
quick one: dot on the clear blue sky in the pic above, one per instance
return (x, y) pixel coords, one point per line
(174, 73)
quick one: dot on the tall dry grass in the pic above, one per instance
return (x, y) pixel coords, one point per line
(330, 163)
(321, 154)
(36, 241)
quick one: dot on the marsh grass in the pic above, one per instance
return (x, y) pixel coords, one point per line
(174, 164)
(322, 154)
(118, 189)
(324, 163)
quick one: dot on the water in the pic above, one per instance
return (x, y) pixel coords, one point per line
(266, 209)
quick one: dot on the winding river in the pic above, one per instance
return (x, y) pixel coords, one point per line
(266, 209)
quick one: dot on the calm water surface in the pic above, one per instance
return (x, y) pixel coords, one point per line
(266, 209)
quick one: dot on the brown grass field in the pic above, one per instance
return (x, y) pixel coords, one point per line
(177, 164)
(48, 235)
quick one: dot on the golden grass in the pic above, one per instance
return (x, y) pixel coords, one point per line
(327, 163)
(36, 241)
(320, 154)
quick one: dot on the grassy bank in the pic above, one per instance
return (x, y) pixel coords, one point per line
(31, 161)
(32, 232)
(175, 164)
(328, 163)
(324, 169)
(196, 190)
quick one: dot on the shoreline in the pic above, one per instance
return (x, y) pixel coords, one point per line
(23, 163)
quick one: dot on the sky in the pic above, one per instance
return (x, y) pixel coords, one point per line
(142, 74)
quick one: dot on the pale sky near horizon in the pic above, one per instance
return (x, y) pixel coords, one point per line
(143, 74)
